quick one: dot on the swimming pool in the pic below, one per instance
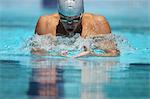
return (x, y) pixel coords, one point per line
(24, 76)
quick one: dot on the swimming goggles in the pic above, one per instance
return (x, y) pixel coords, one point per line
(74, 19)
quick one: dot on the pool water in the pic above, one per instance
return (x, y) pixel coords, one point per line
(25, 76)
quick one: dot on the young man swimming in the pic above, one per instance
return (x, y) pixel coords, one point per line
(70, 20)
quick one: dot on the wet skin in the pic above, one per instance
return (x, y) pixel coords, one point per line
(92, 26)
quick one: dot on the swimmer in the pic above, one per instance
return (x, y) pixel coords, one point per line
(72, 19)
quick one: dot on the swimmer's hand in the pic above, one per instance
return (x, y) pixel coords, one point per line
(86, 52)
(107, 53)
(82, 54)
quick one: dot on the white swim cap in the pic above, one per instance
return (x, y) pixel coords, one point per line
(70, 7)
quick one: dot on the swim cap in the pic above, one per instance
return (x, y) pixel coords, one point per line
(70, 7)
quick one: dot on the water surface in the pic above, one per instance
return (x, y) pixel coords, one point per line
(25, 76)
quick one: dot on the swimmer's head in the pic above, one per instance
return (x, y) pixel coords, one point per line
(70, 7)
(70, 12)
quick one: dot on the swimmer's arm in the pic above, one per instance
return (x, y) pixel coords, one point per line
(110, 50)
(82, 54)
(108, 53)
(109, 47)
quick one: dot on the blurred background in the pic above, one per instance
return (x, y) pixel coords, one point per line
(123, 15)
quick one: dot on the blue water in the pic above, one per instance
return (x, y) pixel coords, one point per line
(24, 76)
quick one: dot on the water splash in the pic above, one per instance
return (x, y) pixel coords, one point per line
(76, 43)
(124, 45)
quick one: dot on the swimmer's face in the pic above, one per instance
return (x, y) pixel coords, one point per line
(70, 23)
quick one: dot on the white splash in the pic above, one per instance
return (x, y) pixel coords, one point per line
(76, 43)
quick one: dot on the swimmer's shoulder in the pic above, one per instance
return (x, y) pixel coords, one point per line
(87, 17)
(49, 18)
(100, 18)
(47, 23)
(103, 24)
(92, 16)
(99, 22)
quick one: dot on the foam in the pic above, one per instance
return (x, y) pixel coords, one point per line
(75, 44)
